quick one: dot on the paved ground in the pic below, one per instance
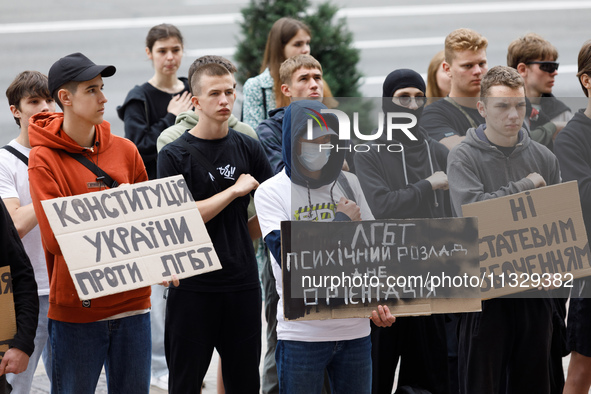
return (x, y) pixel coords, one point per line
(41, 383)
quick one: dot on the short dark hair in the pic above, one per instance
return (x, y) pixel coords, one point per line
(210, 69)
(162, 32)
(27, 84)
(500, 76)
(209, 59)
(71, 87)
(529, 48)
(584, 61)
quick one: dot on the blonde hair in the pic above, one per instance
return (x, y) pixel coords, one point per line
(463, 39)
(291, 65)
(433, 90)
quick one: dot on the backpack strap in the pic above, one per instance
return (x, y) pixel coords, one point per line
(15, 152)
(219, 182)
(345, 186)
(100, 174)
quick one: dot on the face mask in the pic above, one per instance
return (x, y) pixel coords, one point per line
(312, 158)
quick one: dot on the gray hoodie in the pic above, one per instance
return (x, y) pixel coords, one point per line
(478, 171)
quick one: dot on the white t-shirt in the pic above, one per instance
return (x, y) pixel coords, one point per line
(14, 183)
(273, 200)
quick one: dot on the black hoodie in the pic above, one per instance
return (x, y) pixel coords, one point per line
(394, 182)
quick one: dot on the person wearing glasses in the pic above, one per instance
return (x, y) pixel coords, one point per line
(534, 58)
(410, 183)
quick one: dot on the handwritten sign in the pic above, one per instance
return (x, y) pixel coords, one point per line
(346, 269)
(8, 326)
(535, 234)
(131, 236)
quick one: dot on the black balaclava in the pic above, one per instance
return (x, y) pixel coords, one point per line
(400, 79)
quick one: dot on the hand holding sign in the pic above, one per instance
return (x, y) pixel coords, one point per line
(349, 208)
(537, 179)
(131, 236)
(382, 317)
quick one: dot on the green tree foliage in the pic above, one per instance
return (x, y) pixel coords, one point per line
(332, 42)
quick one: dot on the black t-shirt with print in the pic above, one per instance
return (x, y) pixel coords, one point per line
(232, 156)
(443, 119)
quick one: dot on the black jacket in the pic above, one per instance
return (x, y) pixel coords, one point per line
(24, 287)
(394, 182)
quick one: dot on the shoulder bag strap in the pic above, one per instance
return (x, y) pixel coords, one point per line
(15, 152)
(219, 180)
(345, 186)
(100, 174)
(462, 110)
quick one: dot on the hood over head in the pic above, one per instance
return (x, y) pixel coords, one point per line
(295, 127)
(45, 129)
(400, 79)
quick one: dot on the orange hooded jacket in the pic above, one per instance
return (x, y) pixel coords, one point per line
(52, 174)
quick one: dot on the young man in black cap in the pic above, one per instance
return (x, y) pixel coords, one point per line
(114, 330)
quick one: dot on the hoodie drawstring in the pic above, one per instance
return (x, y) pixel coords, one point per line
(310, 198)
(436, 203)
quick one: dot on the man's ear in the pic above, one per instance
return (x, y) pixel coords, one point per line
(15, 111)
(285, 90)
(65, 97)
(446, 67)
(195, 102)
(585, 81)
(149, 53)
(481, 108)
(522, 69)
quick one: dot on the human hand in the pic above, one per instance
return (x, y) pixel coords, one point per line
(14, 361)
(180, 103)
(349, 208)
(537, 179)
(245, 184)
(175, 281)
(382, 317)
(438, 180)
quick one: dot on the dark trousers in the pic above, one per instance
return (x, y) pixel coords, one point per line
(506, 347)
(196, 323)
(420, 342)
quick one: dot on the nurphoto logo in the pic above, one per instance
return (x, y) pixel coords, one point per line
(391, 125)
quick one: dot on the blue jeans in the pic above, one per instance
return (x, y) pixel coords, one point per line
(157, 315)
(21, 383)
(79, 351)
(300, 366)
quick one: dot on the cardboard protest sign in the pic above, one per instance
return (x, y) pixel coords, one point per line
(346, 269)
(131, 236)
(531, 237)
(8, 325)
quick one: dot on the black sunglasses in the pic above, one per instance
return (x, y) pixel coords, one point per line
(549, 67)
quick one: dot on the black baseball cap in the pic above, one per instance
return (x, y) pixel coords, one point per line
(75, 67)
